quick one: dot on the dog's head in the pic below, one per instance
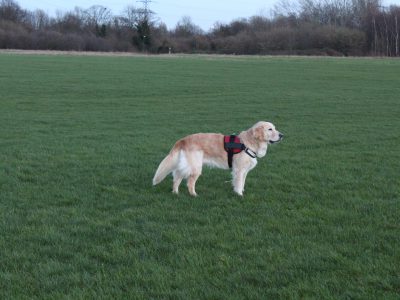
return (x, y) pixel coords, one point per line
(266, 132)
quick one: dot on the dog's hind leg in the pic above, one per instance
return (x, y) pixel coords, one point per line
(192, 184)
(195, 160)
(177, 181)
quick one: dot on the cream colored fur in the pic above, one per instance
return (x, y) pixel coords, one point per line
(188, 155)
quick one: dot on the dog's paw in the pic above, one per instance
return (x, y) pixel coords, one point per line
(239, 193)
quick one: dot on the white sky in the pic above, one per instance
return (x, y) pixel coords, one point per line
(204, 13)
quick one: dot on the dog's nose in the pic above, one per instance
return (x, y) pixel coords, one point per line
(281, 136)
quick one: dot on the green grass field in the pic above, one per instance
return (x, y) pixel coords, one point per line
(81, 138)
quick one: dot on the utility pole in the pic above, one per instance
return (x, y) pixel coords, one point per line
(146, 10)
(397, 35)
(375, 35)
(144, 24)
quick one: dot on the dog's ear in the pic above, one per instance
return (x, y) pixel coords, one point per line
(259, 133)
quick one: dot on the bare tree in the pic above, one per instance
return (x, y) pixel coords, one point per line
(72, 21)
(11, 11)
(97, 15)
(131, 16)
(286, 8)
(40, 20)
(140, 20)
(186, 28)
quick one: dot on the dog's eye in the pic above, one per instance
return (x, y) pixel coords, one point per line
(270, 129)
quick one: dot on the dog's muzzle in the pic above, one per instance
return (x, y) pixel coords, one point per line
(280, 139)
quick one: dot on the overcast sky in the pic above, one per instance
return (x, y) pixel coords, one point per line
(204, 13)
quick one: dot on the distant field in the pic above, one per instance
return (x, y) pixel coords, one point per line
(81, 138)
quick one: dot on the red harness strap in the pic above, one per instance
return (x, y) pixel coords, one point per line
(232, 145)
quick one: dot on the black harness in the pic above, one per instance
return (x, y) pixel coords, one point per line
(233, 145)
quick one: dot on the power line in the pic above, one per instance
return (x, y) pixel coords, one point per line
(146, 5)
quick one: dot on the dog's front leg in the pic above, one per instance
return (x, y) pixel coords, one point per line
(239, 178)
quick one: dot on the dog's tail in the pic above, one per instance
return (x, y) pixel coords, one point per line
(169, 163)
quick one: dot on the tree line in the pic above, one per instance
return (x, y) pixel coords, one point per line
(304, 27)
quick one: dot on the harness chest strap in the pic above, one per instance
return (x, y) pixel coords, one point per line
(233, 145)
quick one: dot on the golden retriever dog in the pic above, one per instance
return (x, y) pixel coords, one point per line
(188, 155)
